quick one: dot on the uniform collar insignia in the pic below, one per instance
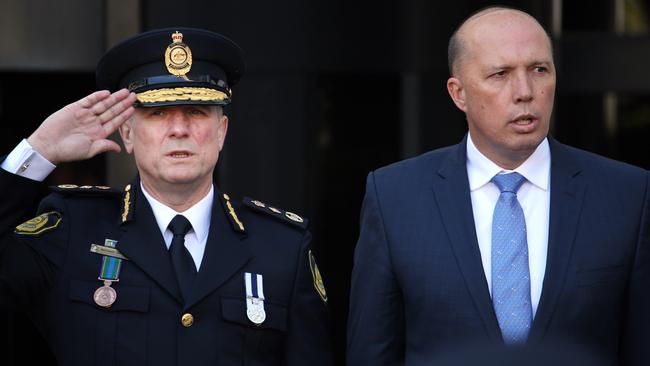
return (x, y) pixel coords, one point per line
(128, 203)
(235, 222)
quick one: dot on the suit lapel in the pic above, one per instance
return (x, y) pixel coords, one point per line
(567, 194)
(451, 191)
(225, 253)
(143, 243)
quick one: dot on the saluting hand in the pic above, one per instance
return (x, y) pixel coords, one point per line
(81, 129)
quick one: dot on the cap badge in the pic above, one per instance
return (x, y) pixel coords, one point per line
(178, 56)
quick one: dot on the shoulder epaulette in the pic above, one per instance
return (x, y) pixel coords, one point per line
(285, 216)
(86, 190)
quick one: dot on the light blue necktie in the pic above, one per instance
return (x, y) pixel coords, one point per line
(510, 273)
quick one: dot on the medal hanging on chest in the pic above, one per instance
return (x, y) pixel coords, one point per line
(105, 296)
(255, 298)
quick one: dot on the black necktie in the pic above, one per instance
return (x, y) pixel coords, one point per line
(181, 257)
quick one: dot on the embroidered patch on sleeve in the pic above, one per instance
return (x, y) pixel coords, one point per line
(39, 224)
(318, 279)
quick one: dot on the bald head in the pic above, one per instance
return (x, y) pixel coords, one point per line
(460, 43)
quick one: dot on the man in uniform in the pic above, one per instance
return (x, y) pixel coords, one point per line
(508, 238)
(168, 270)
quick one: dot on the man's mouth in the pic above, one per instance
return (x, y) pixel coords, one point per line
(524, 119)
(180, 154)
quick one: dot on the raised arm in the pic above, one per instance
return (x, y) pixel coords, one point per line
(81, 129)
(77, 131)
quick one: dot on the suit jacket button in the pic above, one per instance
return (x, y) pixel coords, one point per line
(187, 320)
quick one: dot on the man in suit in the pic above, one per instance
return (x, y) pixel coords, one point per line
(168, 270)
(508, 238)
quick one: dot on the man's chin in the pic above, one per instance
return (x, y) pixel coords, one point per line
(182, 178)
(182, 181)
(187, 176)
(526, 142)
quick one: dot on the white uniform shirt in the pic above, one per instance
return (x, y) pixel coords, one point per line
(199, 216)
(27, 162)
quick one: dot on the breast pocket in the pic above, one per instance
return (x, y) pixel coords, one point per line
(595, 276)
(118, 332)
(264, 341)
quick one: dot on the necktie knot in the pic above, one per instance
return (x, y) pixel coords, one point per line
(510, 182)
(179, 225)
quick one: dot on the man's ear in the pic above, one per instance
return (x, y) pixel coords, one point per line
(126, 133)
(222, 131)
(457, 93)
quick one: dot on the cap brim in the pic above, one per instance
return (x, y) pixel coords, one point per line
(181, 95)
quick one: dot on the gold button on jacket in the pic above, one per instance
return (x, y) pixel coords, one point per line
(187, 320)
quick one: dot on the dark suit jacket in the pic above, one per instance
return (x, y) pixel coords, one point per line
(53, 276)
(418, 285)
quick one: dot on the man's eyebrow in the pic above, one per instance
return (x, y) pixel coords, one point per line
(496, 67)
(541, 62)
(509, 66)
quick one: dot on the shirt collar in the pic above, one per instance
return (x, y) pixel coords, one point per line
(536, 169)
(199, 215)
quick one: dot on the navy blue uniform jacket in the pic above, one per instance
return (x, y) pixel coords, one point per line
(53, 275)
(418, 284)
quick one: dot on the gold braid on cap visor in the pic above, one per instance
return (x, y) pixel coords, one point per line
(187, 93)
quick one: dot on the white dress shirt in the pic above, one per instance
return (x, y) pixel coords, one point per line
(199, 216)
(534, 197)
(27, 162)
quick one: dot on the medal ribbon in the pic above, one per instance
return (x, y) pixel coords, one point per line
(254, 285)
(111, 266)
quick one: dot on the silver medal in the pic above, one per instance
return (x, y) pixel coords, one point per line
(255, 310)
(254, 285)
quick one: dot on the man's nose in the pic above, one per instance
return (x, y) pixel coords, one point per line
(522, 88)
(178, 124)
